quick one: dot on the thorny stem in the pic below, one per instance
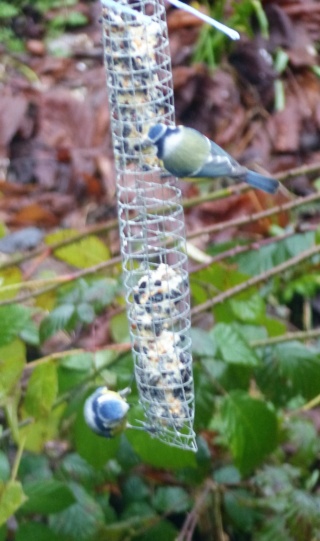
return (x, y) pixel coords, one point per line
(95, 229)
(187, 531)
(288, 337)
(278, 269)
(113, 224)
(57, 281)
(255, 245)
(114, 261)
(222, 226)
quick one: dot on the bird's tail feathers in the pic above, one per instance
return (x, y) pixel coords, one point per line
(266, 184)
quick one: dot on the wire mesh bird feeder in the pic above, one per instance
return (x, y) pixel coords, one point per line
(151, 219)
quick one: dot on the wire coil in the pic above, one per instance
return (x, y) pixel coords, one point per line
(151, 219)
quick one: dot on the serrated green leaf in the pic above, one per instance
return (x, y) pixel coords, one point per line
(58, 319)
(204, 397)
(30, 333)
(139, 509)
(9, 277)
(11, 498)
(7, 10)
(203, 344)
(13, 319)
(171, 500)
(239, 506)
(249, 309)
(77, 469)
(300, 366)
(82, 254)
(119, 328)
(47, 496)
(39, 432)
(41, 391)
(135, 489)
(82, 520)
(12, 362)
(34, 467)
(4, 467)
(233, 347)
(35, 531)
(85, 312)
(158, 454)
(250, 427)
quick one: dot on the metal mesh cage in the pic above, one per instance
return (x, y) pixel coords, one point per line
(151, 220)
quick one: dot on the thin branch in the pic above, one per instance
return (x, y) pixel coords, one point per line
(255, 280)
(254, 245)
(187, 530)
(21, 258)
(58, 281)
(299, 171)
(123, 347)
(288, 337)
(244, 220)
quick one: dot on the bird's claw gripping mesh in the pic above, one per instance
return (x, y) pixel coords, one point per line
(151, 219)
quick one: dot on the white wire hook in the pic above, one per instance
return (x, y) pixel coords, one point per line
(233, 34)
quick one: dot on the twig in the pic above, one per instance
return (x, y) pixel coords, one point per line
(58, 281)
(254, 245)
(123, 347)
(297, 171)
(288, 337)
(278, 269)
(21, 258)
(186, 533)
(222, 226)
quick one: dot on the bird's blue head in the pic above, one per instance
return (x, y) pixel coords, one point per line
(156, 132)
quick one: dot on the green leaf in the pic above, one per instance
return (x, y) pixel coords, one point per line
(82, 520)
(233, 347)
(171, 500)
(250, 427)
(34, 467)
(8, 10)
(11, 498)
(203, 344)
(12, 362)
(13, 319)
(4, 467)
(240, 507)
(85, 312)
(9, 277)
(47, 496)
(35, 531)
(161, 531)
(78, 469)
(119, 328)
(42, 390)
(84, 253)
(158, 454)
(300, 366)
(135, 489)
(249, 309)
(60, 318)
(204, 396)
(42, 430)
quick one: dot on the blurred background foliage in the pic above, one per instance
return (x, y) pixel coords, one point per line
(256, 352)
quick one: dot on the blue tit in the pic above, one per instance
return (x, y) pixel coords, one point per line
(185, 152)
(105, 412)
